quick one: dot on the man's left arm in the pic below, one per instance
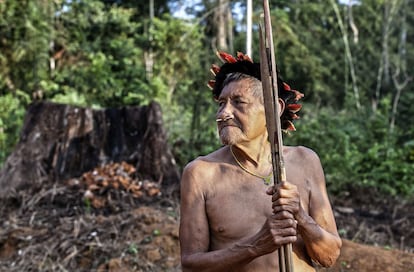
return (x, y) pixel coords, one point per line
(317, 228)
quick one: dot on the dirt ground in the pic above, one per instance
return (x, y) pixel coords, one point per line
(377, 232)
(92, 224)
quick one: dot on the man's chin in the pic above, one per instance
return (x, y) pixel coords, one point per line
(228, 140)
(229, 136)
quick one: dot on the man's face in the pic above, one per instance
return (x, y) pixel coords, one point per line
(247, 117)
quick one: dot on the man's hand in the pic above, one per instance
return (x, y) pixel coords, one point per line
(285, 197)
(278, 230)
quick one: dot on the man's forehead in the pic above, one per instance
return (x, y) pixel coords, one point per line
(240, 88)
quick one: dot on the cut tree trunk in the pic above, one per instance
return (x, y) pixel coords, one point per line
(59, 142)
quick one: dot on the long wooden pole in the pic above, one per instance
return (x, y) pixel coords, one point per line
(270, 93)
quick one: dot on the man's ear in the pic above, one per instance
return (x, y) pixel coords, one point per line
(281, 106)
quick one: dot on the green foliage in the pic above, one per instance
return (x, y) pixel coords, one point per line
(357, 149)
(180, 72)
(194, 132)
(11, 119)
(103, 62)
(107, 53)
(25, 35)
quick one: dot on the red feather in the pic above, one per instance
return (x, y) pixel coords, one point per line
(211, 83)
(215, 69)
(290, 126)
(294, 116)
(298, 95)
(286, 86)
(241, 56)
(225, 57)
(294, 107)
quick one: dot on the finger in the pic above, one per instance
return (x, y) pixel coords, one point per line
(290, 240)
(283, 240)
(284, 236)
(285, 202)
(270, 190)
(278, 186)
(282, 215)
(278, 209)
(276, 194)
(282, 185)
(286, 185)
(282, 193)
(288, 207)
(288, 224)
(288, 231)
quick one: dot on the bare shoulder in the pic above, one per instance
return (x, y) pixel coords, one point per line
(203, 169)
(302, 154)
(202, 165)
(306, 159)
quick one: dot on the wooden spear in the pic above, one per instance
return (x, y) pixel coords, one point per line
(271, 97)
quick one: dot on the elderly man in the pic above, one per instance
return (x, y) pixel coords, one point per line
(231, 218)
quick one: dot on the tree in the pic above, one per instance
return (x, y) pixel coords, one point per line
(107, 53)
(25, 33)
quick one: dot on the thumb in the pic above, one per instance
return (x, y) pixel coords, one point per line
(270, 190)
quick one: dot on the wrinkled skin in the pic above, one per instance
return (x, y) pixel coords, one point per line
(231, 220)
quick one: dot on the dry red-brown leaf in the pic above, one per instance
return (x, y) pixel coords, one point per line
(125, 183)
(93, 187)
(98, 202)
(153, 191)
(115, 184)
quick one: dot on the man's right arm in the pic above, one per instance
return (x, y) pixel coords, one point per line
(195, 232)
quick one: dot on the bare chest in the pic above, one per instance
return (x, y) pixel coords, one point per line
(238, 205)
(237, 209)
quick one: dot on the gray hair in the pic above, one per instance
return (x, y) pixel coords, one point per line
(255, 84)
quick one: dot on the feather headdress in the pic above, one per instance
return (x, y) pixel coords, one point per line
(245, 65)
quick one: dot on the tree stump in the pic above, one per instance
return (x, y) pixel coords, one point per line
(59, 142)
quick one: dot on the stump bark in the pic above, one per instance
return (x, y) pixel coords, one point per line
(59, 142)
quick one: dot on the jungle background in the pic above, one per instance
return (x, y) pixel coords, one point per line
(352, 59)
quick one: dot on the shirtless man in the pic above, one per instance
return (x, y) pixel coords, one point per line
(231, 220)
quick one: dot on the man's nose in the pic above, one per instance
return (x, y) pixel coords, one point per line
(225, 113)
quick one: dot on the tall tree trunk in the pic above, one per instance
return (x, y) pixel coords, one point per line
(221, 20)
(229, 23)
(221, 25)
(391, 9)
(149, 55)
(348, 54)
(400, 77)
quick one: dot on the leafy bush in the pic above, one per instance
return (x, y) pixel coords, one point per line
(12, 112)
(357, 149)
